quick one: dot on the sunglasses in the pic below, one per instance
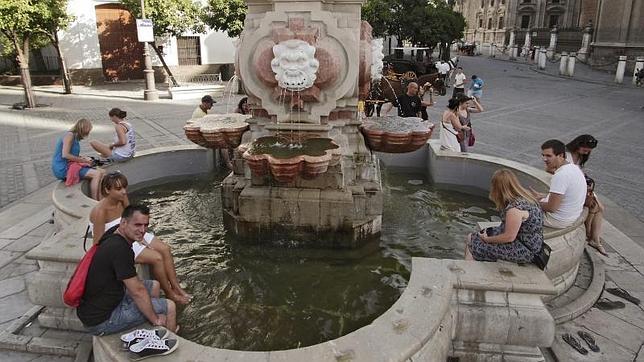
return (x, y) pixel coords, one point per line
(589, 142)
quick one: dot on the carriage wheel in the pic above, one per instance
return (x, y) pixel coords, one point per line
(409, 75)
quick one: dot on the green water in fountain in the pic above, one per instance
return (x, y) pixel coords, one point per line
(275, 295)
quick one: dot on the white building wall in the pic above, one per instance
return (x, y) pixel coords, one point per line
(79, 42)
(80, 46)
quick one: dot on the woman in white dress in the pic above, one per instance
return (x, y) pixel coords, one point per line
(451, 126)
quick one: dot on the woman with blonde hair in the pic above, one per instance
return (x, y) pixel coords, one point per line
(68, 151)
(520, 235)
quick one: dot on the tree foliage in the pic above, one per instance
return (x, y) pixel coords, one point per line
(226, 15)
(25, 23)
(421, 22)
(170, 17)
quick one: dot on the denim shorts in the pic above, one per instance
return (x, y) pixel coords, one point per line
(126, 315)
(118, 158)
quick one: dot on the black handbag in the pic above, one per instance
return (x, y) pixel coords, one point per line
(541, 258)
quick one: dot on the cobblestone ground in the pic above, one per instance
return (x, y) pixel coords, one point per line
(525, 108)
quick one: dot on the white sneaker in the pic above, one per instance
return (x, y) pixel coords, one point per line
(138, 335)
(151, 347)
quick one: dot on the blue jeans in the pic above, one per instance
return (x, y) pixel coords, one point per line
(127, 315)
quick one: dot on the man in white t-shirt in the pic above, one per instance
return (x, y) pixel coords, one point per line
(565, 200)
(459, 82)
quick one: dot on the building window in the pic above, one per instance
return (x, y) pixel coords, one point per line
(189, 50)
(554, 1)
(491, 2)
(501, 22)
(489, 23)
(482, 3)
(502, 2)
(525, 21)
(554, 20)
(480, 23)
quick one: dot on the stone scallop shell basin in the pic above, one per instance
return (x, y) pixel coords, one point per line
(217, 130)
(395, 134)
(286, 159)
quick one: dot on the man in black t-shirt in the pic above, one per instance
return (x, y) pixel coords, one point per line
(409, 104)
(115, 299)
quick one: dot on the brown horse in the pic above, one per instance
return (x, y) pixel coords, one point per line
(388, 90)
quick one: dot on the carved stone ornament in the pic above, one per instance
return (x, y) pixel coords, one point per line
(294, 64)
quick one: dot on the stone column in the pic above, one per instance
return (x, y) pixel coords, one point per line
(570, 70)
(621, 68)
(512, 37)
(553, 42)
(585, 42)
(563, 64)
(542, 58)
(527, 43)
(639, 64)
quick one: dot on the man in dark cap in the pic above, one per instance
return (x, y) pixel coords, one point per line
(206, 104)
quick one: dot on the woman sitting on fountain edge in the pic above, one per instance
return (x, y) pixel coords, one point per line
(150, 250)
(520, 235)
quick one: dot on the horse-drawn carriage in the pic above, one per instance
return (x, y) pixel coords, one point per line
(397, 73)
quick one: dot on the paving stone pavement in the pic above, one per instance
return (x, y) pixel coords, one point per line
(523, 108)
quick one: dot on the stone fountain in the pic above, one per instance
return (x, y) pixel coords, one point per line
(304, 168)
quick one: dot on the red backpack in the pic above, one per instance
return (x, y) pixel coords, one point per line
(76, 285)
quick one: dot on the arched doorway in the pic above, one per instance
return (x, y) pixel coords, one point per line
(121, 53)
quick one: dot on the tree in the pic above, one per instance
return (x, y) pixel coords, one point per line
(16, 24)
(422, 22)
(226, 15)
(51, 20)
(387, 17)
(170, 18)
(26, 22)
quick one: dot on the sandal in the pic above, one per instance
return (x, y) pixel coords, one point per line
(574, 343)
(599, 247)
(607, 304)
(623, 294)
(590, 341)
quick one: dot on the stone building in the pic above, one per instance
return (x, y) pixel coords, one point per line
(489, 21)
(618, 29)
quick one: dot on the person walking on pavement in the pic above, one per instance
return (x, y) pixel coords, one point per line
(459, 82)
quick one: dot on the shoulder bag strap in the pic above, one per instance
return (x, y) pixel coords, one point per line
(85, 238)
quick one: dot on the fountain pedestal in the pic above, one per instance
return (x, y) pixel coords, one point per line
(304, 66)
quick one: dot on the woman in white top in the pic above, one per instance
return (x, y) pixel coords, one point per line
(123, 147)
(451, 126)
(107, 214)
(578, 152)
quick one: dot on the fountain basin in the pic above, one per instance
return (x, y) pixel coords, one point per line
(286, 159)
(395, 134)
(217, 130)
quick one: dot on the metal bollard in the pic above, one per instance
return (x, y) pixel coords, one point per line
(542, 58)
(513, 52)
(492, 50)
(563, 65)
(621, 68)
(570, 70)
(639, 64)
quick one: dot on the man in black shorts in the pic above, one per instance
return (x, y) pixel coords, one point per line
(409, 104)
(115, 299)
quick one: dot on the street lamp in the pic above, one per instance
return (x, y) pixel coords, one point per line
(150, 93)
